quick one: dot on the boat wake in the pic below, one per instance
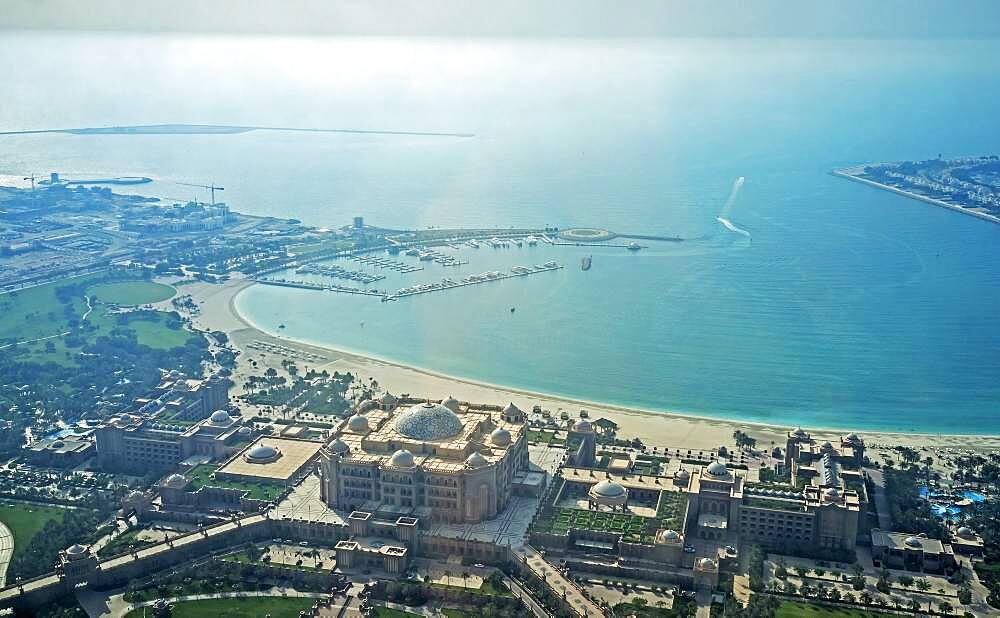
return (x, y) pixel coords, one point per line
(737, 185)
(732, 228)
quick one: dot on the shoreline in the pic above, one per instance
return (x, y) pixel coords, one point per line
(219, 312)
(847, 173)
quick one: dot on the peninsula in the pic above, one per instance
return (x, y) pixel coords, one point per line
(970, 184)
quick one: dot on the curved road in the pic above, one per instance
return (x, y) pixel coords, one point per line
(6, 551)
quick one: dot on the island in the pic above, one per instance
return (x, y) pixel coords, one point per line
(969, 184)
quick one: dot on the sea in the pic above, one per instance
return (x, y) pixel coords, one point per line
(796, 297)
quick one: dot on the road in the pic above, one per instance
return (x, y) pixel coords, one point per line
(580, 604)
(525, 598)
(6, 551)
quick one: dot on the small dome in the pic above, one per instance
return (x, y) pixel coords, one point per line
(220, 417)
(827, 446)
(511, 409)
(608, 493)
(668, 536)
(388, 400)
(798, 432)
(357, 424)
(717, 469)
(966, 532)
(428, 421)
(244, 431)
(135, 494)
(451, 403)
(682, 474)
(852, 437)
(338, 446)
(500, 437)
(402, 459)
(583, 426)
(912, 541)
(706, 563)
(58, 444)
(476, 460)
(262, 453)
(76, 551)
(176, 481)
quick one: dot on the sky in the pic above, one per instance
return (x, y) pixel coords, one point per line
(578, 18)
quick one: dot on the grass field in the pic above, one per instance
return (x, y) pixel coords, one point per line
(35, 312)
(790, 609)
(131, 293)
(253, 607)
(26, 520)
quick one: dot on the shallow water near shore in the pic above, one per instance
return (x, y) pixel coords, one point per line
(840, 306)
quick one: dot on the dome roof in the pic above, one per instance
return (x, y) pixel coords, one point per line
(428, 421)
(682, 474)
(476, 460)
(852, 437)
(262, 453)
(608, 493)
(827, 446)
(717, 469)
(912, 541)
(388, 399)
(451, 403)
(966, 532)
(357, 424)
(583, 425)
(666, 536)
(338, 446)
(244, 431)
(402, 459)
(511, 409)
(706, 563)
(500, 437)
(798, 432)
(76, 551)
(175, 480)
(135, 494)
(220, 417)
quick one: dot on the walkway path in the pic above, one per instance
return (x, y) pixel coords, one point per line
(6, 551)
(557, 582)
(881, 501)
(116, 607)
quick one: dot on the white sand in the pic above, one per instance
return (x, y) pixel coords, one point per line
(654, 428)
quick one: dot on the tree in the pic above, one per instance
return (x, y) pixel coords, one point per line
(945, 607)
(905, 580)
(922, 585)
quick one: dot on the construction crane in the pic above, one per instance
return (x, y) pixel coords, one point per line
(32, 179)
(211, 187)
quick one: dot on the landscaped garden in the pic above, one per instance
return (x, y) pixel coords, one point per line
(791, 609)
(632, 526)
(201, 476)
(246, 607)
(671, 510)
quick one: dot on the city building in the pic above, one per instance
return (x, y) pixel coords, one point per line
(911, 552)
(438, 461)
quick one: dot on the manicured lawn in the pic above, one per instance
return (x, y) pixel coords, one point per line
(253, 607)
(790, 609)
(26, 520)
(131, 293)
(201, 476)
(631, 526)
(35, 312)
(388, 612)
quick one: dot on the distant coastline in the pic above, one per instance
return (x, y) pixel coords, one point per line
(853, 173)
(218, 129)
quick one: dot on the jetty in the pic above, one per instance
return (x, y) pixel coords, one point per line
(338, 272)
(384, 262)
(486, 277)
(309, 285)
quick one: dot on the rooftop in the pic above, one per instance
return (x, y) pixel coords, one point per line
(294, 455)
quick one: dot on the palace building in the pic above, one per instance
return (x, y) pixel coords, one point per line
(448, 461)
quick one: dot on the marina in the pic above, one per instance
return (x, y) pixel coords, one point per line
(338, 272)
(486, 277)
(384, 262)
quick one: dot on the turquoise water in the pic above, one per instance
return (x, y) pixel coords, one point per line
(847, 307)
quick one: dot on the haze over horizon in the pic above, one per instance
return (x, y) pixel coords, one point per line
(583, 18)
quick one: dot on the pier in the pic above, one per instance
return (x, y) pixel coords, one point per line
(338, 272)
(383, 262)
(308, 285)
(448, 284)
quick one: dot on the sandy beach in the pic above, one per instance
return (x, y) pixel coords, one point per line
(217, 312)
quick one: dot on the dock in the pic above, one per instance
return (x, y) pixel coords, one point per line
(308, 285)
(384, 262)
(487, 277)
(338, 272)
